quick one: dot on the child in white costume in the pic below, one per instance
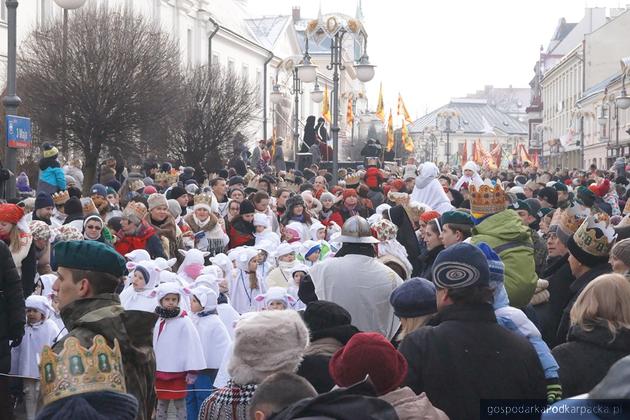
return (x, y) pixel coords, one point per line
(276, 299)
(39, 332)
(178, 350)
(247, 285)
(297, 274)
(140, 294)
(215, 340)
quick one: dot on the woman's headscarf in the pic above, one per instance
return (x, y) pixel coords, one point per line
(475, 179)
(428, 189)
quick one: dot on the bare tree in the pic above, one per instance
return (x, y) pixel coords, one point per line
(216, 104)
(120, 76)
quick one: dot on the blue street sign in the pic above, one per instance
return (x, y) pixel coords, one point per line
(18, 132)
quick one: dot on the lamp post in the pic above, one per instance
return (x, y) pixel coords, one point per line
(296, 91)
(66, 5)
(446, 116)
(336, 27)
(11, 101)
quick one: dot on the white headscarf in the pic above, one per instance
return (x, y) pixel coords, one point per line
(428, 189)
(475, 179)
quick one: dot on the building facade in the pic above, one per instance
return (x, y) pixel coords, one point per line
(471, 120)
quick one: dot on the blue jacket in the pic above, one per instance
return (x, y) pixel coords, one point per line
(53, 179)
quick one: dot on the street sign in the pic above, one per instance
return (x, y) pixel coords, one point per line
(18, 132)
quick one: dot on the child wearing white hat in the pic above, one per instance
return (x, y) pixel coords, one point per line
(216, 342)
(40, 331)
(178, 350)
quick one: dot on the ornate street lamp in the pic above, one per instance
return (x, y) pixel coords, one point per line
(335, 27)
(317, 94)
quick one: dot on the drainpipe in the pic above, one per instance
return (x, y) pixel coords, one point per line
(214, 32)
(269, 58)
(582, 137)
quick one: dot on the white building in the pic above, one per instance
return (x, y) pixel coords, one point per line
(558, 84)
(473, 119)
(222, 32)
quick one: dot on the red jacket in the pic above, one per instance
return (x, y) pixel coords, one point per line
(145, 238)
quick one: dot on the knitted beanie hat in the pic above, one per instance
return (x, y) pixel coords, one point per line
(621, 251)
(265, 343)
(321, 314)
(368, 354)
(157, 200)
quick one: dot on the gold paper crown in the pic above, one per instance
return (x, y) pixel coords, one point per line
(136, 185)
(595, 235)
(203, 198)
(60, 198)
(487, 199)
(88, 206)
(77, 370)
(626, 208)
(352, 180)
(572, 218)
(137, 208)
(169, 177)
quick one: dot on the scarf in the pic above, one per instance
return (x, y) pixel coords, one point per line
(167, 313)
(206, 313)
(299, 218)
(199, 222)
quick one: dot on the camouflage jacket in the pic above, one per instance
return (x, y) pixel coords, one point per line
(102, 314)
(540, 251)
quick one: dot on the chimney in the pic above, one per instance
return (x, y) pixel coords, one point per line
(296, 14)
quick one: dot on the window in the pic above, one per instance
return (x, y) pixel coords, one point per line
(215, 59)
(231, 65)
(245, 72)
(189, 46)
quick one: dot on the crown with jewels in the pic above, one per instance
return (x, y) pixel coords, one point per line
(203, 198)
(487, 199)
(352, 180)
(77, 370)
(60, 198)
(595, 235)
(169, 177)
(572, 218)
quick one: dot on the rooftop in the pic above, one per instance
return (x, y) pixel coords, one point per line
(476, 117)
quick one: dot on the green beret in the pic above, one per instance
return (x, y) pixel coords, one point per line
(520, 205)
(89, 256)
(456, 217)
(543, 212)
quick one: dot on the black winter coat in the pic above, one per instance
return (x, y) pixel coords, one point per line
(427, 260)
(463, 356)
(588, 355)
(575, 289)
(324, 343)
(12, 315)
(558, 273)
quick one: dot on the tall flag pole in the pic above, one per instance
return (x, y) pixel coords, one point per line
(390, 132)
(380, 108)
(402, 109)
(326, 107)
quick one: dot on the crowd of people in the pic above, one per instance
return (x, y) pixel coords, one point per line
(405, 291)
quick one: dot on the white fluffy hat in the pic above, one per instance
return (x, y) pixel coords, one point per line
(276, 294)
(206, 297)
(261, 220)
(40, 303)
(266, 343)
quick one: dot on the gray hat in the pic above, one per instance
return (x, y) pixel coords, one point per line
(357, 230)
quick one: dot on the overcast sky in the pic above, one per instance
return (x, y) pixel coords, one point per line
(434, 50)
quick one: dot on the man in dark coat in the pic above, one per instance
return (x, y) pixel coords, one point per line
(11, 322)
(89, 272)
(464, 355)
(588, 260)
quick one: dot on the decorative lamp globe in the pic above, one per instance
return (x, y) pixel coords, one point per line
(307, 72)
(317, 95)
(276, 95)
(70, 4)
(623, 101)
(365, 70)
